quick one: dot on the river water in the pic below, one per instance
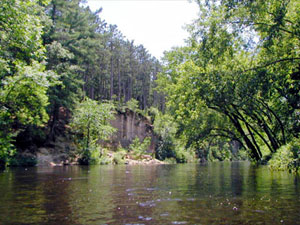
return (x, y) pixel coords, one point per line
(215, 193)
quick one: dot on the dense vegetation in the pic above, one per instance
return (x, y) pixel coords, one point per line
(234, 88)
(238, 80)
(52, 53)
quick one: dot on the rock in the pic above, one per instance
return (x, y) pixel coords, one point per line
(146, 157)
(130, 125)
(56, 155)
(44, 158)
(143, 162)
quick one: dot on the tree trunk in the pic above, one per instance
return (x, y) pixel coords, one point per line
(119, 81)
(129, 89)
(53, 122)
(111, 73)
(254, 152)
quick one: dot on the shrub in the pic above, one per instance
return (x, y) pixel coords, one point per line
(90, 122)
(22, 160)
(165, 149)
(90, 156)
(170, 160)
(139, 148)
(118, 157)
(170, 148)
(132, 104)
(184, 156)
(104, 160)
(287, 157)
(7, 149)
(85, 157)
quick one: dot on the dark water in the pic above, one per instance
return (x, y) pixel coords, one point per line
(217, 193)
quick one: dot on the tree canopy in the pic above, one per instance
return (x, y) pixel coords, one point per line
(238, 79)
(236, 82)
(52, 54)
(24, 80)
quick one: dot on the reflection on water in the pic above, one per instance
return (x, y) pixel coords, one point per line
(216, 193)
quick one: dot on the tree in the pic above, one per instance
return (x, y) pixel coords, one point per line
(92, 120)
(240, 69)
(24, 80)
(70, 39)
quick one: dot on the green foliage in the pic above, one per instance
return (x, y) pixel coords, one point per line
(96, 53)
(132, 104)
(166, 129)
(90, 156)
(68, 90)
(219, 153)
(105, 160)
(118, 157)
(21, 29)
(237, 80)
(165, 149)
(22, 160)
(170, 146)
(170, 160)
(138, 148)
(51, 52)
(91, 120)
(24, 95)
(23, 79)
(164, 125)
(7, 149)
(184, 156)
(287, 157)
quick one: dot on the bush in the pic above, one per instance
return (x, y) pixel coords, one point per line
(184, 156)
(2, 163)
(98, 156)
(170, 160)
(170, 148)
(90, 122)
(90, 156)
(165, 149)
(85, 158)
(139, 148)
(104, 160)
(22, 160)
(287, 157)
(132, 104)
(7, 149)
(118, 157)
(219, 153)
(32, 135)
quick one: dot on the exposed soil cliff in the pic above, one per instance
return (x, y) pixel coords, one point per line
(130, 125)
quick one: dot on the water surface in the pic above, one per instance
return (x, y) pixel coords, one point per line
(215, 193)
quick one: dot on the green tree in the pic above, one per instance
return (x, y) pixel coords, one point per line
(237, 79)
(24, 81)
(92, 120)
(70, 39)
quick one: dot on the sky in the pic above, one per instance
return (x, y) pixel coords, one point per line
(156, 24)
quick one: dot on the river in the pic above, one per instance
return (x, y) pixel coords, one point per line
(214, 193)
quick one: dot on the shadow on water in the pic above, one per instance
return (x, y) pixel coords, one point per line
(214, 193)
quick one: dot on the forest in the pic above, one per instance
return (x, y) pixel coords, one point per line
(232, 92)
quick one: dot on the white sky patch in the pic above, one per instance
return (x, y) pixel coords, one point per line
(156, 24)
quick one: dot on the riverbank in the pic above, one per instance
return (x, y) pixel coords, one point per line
(45, 158)
(127, 162)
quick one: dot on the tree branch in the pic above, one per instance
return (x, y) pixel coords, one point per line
(272, 63)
